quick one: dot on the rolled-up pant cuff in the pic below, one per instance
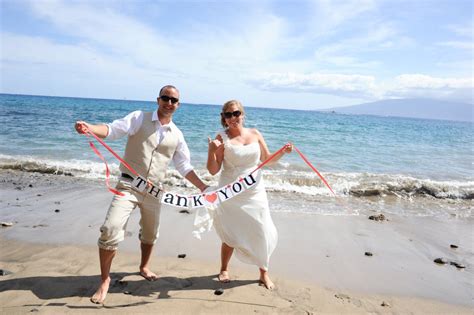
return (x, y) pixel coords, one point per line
(107, 247)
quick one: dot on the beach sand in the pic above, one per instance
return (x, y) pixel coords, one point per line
(319, 265)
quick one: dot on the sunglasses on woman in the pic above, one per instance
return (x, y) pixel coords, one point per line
(166, 99)
(228, 115)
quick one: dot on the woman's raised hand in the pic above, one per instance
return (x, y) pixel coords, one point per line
(214, 145)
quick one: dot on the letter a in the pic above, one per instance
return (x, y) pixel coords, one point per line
(168, 198)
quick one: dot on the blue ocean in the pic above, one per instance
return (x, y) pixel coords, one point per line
(374, 164)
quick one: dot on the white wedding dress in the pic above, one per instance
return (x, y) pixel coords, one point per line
(244, 222)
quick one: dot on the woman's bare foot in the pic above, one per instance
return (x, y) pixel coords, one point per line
(266, 281)
(148, 274)
(101, 293)
(224, 276)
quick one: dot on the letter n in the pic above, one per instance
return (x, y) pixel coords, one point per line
(182, 201)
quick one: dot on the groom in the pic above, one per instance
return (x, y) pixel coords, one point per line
(153, 141)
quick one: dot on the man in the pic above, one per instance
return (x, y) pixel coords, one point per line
(153, 140)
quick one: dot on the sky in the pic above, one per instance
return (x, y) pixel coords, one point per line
(283, 54)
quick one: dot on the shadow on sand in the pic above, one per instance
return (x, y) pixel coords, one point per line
(50, 287)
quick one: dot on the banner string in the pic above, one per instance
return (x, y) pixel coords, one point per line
(107, 172)
(314, 169)
(270, 158)
(88, 132)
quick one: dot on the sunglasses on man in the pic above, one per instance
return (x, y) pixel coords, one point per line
(228, 115)
(166, 99)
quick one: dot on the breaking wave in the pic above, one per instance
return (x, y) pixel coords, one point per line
(284, 178)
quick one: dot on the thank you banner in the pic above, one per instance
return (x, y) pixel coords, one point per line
(207, 199)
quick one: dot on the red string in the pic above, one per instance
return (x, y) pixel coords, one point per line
(314, 169)
(269, 159)
(107, 172)
(112, 151)
(302, 156)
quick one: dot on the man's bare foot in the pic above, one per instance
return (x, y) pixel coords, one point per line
(266, 281)
(223, 276)
(101, 293)
(148, 274)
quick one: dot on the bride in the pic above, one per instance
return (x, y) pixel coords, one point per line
(243, 222)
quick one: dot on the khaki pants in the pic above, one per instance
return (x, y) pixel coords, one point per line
(121, 207)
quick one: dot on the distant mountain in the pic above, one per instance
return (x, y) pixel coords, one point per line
(413, 108)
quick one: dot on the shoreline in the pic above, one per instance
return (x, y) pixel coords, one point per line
(321, 253)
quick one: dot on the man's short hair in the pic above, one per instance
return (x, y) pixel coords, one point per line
(169, 86)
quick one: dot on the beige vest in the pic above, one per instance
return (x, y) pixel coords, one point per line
(145, 156)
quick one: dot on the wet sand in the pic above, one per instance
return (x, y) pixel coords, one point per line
(319, 265)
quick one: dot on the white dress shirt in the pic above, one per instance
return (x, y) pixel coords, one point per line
(130, 124)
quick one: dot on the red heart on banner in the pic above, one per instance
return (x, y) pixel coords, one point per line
(211, 197)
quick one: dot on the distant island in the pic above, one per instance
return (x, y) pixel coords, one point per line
(412, 108)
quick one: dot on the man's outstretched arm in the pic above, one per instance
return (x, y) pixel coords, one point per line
(100, 131)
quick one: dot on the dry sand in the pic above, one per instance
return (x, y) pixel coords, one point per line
(319, 265)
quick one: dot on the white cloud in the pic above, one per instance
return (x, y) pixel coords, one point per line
(464, 34)
(416, 81)
(465, 30)
(420, 85)
(329, 15)
(368, 87)
(353, 31)
(336, 84)
(344, 53)
(105, 29)
(31, 51)
(36, 65)
(469, 45)
(199, 51)
(462, 66)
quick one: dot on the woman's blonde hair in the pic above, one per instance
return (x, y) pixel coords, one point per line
(226, 106)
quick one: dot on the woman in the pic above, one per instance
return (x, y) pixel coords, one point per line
(243, 222)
